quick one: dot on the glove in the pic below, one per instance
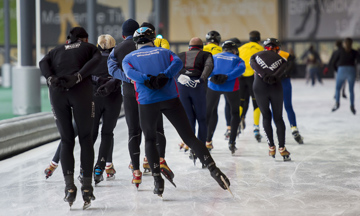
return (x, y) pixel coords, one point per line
(186, 80)
(150, 82)
(101, 81)
(269, 79)
(219, 79)
(107, 88)
(160, 81)
(70, 80)
(55, 83)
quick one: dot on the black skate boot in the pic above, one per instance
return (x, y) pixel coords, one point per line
(166, 171)
(257, 133)
(87, 192)
(352, 108)
(220, 177)
(70, 190)
(336, 106)
(232, 146)
(159, 184)
(98, 174)
(298, 138)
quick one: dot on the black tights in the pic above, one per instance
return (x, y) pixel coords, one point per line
(175, 113)
(267, 95)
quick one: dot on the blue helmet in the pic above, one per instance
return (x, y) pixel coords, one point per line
(143, 35)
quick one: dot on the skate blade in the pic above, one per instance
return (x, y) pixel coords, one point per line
(160, 195)
(110, 177)
(287, 158)
(226, 185)
(168, 178)
(86, 205)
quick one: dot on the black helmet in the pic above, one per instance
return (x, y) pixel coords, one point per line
(236, 41)
(272, 43)
(144, 35)
(228, 45)
(213, 37)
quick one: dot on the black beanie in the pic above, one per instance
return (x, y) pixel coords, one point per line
(76, 33)
(129, 27)
(149, 25)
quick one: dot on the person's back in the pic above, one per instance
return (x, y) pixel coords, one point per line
(152, 61)
(246, 51)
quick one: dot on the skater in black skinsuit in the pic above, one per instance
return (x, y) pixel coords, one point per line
(108, 101)
(68, 69)
(269, 68)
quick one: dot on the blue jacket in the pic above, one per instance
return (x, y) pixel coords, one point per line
(150, 60)
(116, 56)
(228, 64)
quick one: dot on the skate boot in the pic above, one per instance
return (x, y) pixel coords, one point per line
(352, 108)
(159, 184)
(298, 138)
(219, 177)
(136, 179)
(182, 145)
(98, 174)
(70, 190)
(242, 124)
(167, 173)
(257, 133)
(209, 145)
(232, 147)
(336, 106)
(81, 175)
(285, 154)
(87, 192)
(50, 169)
(227, 134)
(110, 172)
(131, 166)
(272, 151)
(146, 166)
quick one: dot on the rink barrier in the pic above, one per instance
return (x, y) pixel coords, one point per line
(22, 133)
(25, 132)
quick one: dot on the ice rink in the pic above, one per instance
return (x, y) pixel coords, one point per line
(323, 177)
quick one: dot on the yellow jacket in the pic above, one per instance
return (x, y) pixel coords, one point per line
(284, 54)
(161, 42)
(212, 48)
(246, 51)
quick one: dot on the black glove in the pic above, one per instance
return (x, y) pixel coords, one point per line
(70, 80)
(107, 88)
(150, 82)
(55, 83)
(161, 80)
(269, 79)
(101, 81)
(156, 82)
(219, 79)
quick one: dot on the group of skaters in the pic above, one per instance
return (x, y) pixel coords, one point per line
(88, 83)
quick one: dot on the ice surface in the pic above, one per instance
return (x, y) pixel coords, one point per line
(323, 177)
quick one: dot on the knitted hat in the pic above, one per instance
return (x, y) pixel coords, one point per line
(129, 27)
(76, 33)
